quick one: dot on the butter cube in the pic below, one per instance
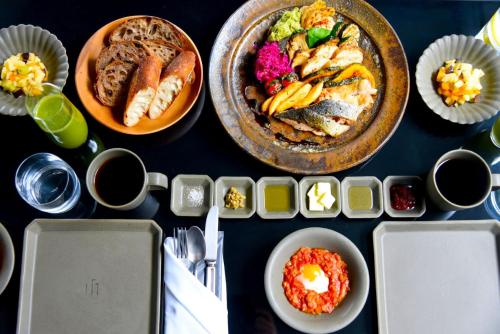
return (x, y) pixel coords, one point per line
(327, 200)
(323, 188)
(313, 191)
(314, 205)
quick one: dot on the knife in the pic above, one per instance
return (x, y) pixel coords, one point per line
(211, 238)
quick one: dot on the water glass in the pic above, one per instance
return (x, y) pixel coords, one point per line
(47, 183)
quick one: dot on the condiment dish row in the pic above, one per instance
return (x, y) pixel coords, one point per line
(193, 195)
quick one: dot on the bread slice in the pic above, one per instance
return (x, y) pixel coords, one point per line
(165, 50)
(142, 89)
(126, 51)
(146, 28)
(173, 79)
(112, 83)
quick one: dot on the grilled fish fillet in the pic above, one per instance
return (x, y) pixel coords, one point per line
(351, 32)
(303, 127)
(173, 79)
(327, 117)
(346, 55)
(327, 125)
(320, 57)
(341, 111)
(359, 93)
(142, 89)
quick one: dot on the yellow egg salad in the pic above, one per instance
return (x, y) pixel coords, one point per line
(23, 73)
(459, 82)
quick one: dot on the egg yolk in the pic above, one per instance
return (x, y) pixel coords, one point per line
(311, 271)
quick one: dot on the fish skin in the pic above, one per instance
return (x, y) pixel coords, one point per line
(330, 108)
(327, 125)
(336, 108)
(321, 116)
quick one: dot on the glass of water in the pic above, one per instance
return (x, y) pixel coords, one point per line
(47, 183)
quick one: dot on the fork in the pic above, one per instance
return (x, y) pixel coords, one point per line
(180, 245)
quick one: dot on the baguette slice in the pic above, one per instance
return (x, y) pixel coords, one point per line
(146, 28)
(142, 89)
(165, 50)
(112, 83)
(127, 51)
(173, 79)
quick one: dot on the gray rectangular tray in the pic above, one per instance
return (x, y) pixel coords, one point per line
(90, 277)
(438, 277)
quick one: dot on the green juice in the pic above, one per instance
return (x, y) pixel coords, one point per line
(64, 123)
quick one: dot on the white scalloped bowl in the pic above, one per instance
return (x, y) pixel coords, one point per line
(469, 50)
(28, 38)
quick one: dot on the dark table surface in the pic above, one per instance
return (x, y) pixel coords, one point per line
(206, 149)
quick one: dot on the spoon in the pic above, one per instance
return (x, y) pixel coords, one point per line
(196, 246)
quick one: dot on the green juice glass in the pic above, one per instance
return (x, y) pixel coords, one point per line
(58, 117)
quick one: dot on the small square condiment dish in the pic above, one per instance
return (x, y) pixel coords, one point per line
(192, 195)
(305, 185)
(375, 187)
(244, 185)
(293, 192)
(417, 184)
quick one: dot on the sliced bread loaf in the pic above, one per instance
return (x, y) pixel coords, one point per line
(142, 89)
(146, 28)
(165, 50)
(126, 51)
(112, 83)
(172, 80)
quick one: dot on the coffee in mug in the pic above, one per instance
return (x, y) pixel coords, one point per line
(460, 179)
(117, 179)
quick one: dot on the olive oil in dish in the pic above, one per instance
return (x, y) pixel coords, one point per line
(277, 198)
(360, 198)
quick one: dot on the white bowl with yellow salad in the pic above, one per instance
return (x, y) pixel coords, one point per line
(458, 78)
(29, 56)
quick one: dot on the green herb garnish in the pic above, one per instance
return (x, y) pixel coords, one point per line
(335, 29)
(314, 35)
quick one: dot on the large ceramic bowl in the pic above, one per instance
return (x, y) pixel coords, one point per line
(231, 71)
(28, 38)
(6, 258)
(469, 50)
(357, 269)
(85, 77)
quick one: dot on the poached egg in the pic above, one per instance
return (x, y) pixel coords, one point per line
(313, 278)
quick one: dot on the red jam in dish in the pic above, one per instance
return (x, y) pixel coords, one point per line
(403, 197)
(315, 280)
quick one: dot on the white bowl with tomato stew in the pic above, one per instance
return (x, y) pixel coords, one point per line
(297, 271)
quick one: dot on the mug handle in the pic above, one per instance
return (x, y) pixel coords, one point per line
(495, 181)
(158, 181)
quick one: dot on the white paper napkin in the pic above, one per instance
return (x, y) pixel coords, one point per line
(189, 306)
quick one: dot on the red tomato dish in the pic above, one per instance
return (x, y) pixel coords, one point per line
(315, 280)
